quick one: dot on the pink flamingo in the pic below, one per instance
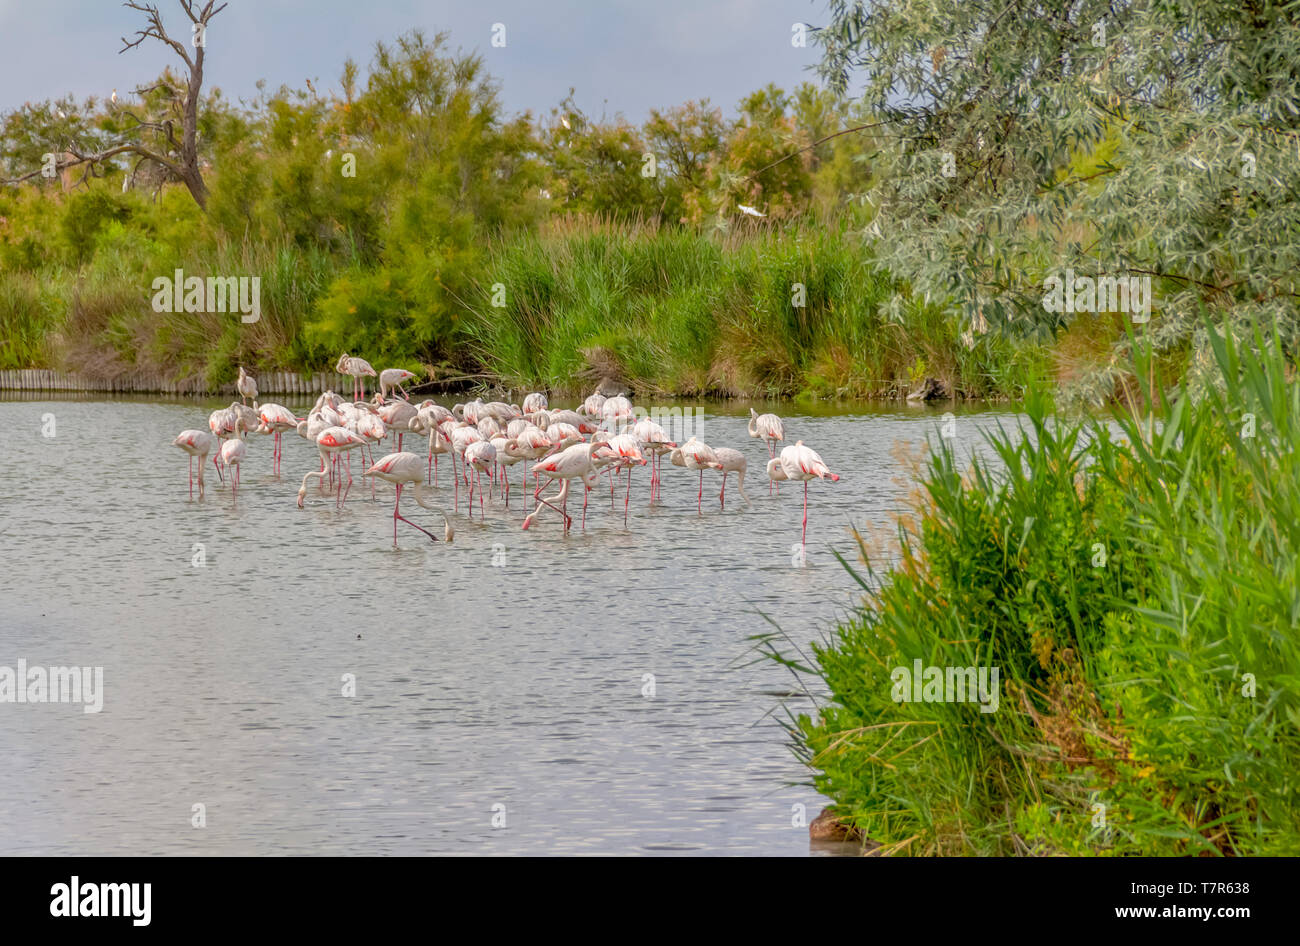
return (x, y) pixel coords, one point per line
(479, 457)
(407, 469)
(532, 444)
(222, 423)
(275, 419)
(731, 461)
(508, 454)
(334, 442)
(461, 440)
(695, 454)
(398, 416)
(567, 465)
(246, 385)
(197, 443)
(233, 452)
(359, 368)
(391, 379)
(617, 412)
(655, 439)
(802, 463)
(428, 418)
(624, 453)
(768, 428)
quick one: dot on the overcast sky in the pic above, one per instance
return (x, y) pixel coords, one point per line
(619, 55)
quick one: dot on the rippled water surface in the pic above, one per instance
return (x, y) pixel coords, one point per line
(517, 684)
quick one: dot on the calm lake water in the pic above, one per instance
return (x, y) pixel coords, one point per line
(516, 684)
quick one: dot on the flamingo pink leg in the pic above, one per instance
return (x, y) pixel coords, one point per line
(627, 495)
(564, 489)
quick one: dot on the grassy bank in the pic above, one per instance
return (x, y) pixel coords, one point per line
(799, 311)
(1138, 593)
(791, 310)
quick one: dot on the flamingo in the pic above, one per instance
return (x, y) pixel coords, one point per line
(469, 412)
(617, 411)
(803, 463)
(397, 415)
(275, 419)
(359, 368)
(221, 422)
(479, 456)
(731, 461)
(233, 452)
(535, 402)
(372, 428)
(461, 440)
(407, 469)
(392, 378)
(197, 443)
(575, 462)
(532, 444)
(583, 423)
(768, 428)
(246, 416)
(334, 441)
(624, 453)
(427, 421)
(508, 454)
(594, 405)
(246, 386)
(500, 411)
(695, 454)
(655, 439)
(563, 435)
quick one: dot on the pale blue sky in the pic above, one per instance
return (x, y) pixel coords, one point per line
(620, 55)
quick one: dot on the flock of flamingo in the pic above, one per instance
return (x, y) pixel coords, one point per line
(605, 436)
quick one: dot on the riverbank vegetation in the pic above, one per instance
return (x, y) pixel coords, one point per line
(1136, 585)
(1132, 575)
(385, 218)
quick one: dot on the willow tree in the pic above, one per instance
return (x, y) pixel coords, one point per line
(1129, 139)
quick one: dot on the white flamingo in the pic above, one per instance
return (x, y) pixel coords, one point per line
(358, 368)
(390, 379)
(246, 386)
(803, 463)
(695, 454)
(197, 443)
(407, 469)
(572, 463)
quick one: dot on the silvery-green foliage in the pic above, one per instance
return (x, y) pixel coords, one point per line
(1154, 138)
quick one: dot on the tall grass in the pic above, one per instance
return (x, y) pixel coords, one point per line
(97, 319)
(800, 311)
(1136, 583)
(30, 318)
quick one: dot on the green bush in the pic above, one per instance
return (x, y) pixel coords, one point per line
(1135, 582)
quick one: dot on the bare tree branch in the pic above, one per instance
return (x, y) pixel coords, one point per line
(100, 157)
(154, 30)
